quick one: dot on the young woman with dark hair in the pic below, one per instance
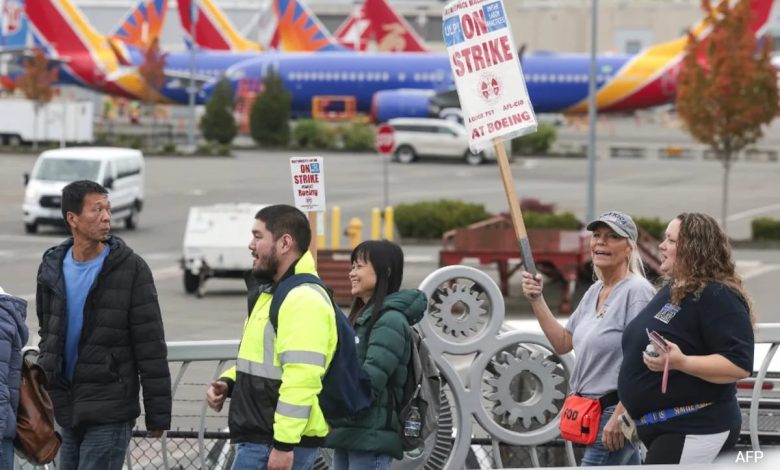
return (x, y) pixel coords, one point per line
(382, 314)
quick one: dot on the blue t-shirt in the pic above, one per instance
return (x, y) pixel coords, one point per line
(79, 278)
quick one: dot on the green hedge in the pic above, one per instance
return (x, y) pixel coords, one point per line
(561, 220)
(358, 137)
(652, 225)
(538, 143)
(765, 228)
(314, 135)
(430, 219)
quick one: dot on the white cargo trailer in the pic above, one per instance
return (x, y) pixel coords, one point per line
(58, 121)
(216, 241)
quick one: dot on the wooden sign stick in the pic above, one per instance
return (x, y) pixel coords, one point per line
(514, 207)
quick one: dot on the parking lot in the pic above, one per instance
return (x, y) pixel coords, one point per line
(354, 183)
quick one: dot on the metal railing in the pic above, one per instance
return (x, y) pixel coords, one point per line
(199, 440)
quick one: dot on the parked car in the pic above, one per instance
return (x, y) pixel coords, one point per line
(120, 170)
(428, 137)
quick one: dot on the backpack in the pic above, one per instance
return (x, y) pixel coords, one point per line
(418, 409)
(346, 388)
(36, 439)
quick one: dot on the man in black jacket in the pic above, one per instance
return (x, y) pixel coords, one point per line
(101, 330)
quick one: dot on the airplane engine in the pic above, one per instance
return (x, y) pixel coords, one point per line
(390, 104)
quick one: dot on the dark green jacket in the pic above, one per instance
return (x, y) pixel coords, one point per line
(384, 357)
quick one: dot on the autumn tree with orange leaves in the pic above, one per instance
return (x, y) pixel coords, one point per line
(153, 72)
(35, 82)
(727, 89)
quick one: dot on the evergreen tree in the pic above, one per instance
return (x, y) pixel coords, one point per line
(727, 87)
(269, 119)
(218, 123)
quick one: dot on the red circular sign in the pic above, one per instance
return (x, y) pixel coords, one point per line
(385, 139)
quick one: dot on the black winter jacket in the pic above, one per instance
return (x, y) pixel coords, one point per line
(122, 338)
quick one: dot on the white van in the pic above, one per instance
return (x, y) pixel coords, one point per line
(430, 137)
(120, 170)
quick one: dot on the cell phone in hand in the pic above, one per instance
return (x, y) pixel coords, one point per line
(660, 345)
(658, 341)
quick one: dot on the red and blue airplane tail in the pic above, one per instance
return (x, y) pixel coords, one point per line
(207, 27)
(654, 70)
(300, 30)
(87, 56)
(391, 31)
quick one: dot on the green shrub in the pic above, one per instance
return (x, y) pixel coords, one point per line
(538, 143)
(269, 118)
(652, 225)
(359, 137)
(561, 220)
(430, 219)
(218, 124)
(765, 228)
(313, 135)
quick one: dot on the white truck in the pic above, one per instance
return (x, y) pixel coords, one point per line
(215, 243)
(58, 121)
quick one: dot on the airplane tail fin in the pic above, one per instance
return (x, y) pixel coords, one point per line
(13, 25)
(206, 26)
(354, 32)
(64, 28)
(143, 24)
(300, 30)
(390, 29)
(761, 15)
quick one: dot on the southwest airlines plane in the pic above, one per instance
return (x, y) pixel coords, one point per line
(385, 84)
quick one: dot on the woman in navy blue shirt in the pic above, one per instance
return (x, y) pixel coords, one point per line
(705, 317)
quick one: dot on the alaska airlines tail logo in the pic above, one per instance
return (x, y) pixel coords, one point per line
(13, 25)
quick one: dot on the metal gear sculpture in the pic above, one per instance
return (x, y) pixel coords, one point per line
(542, 398)
(500, 359)
(459, 311)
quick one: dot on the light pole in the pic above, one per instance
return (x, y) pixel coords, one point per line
(191, 89)
(591, 208)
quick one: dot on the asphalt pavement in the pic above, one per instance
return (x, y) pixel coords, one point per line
(354, 183)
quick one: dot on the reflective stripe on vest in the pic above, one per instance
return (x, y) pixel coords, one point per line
(302, 357)
(293, 411)
(265, 369)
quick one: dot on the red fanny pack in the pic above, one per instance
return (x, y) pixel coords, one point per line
(580, 419)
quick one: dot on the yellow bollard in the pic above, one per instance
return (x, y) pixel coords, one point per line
(376, 223)
(335, 228)
(354, 232)
(389, 223)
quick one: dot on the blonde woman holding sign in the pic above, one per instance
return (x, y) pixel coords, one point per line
(594, 332)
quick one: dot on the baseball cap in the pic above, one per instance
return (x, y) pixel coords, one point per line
(620, 222)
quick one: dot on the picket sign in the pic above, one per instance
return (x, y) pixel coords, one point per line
(492, 91)
(308, 182)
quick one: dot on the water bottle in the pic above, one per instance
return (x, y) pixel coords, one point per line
(413, 423)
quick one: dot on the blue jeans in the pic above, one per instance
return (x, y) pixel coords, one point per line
(253, 456)
(95, 447)
(597, 454)
(353, 460)
(7, 455)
